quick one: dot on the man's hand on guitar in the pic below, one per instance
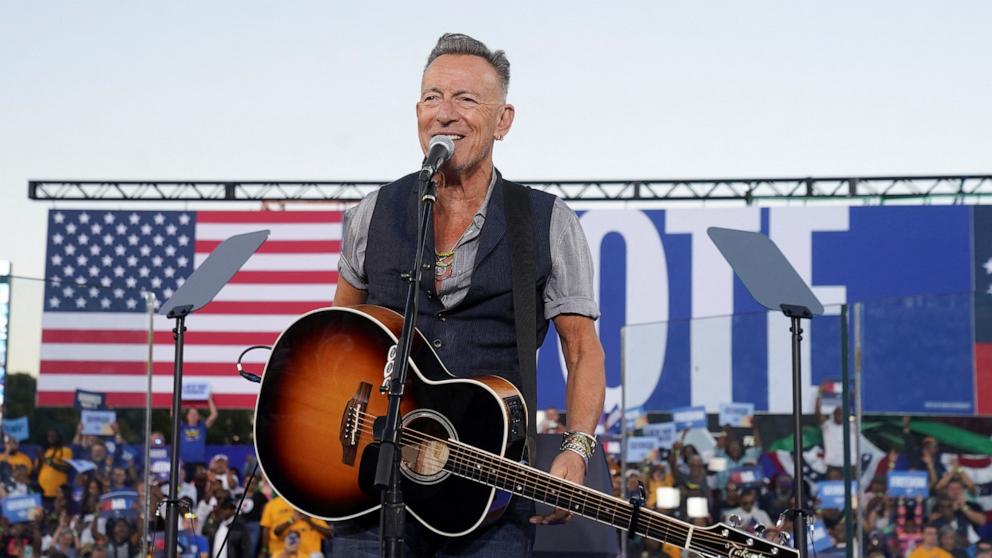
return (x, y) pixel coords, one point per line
(569, 466)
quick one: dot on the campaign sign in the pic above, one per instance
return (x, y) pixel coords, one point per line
(746, 476)
(119, 503)
(160, 468)
(16, 428)
(97, 423)
(634, 417)
(909, 484)
(820, 540)
(82, 465)
(17, 509)
(663, 432)
(640, 447)
(90, 400)
(196, 390)
(689, 417)
(831, 494)
(736, 414)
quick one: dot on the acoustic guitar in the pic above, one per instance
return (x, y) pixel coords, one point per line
(461, 442)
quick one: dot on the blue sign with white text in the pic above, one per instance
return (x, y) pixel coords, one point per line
(693, 336)
(909, 484)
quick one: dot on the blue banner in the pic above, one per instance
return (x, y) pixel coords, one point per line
(91, 400)
(18, 509)
(736, 414)
(640, 447)
(689, 417)
(831, 494)
(747, 477)
(663, 432)
(17, 428)
(701, 340)
(119, 503)
(909, 484)
(97, 423)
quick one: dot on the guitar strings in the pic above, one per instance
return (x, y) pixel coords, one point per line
(464, 453)
(650, 523)
(648, 514)
(652, 519)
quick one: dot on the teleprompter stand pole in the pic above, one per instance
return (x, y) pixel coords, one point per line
(172, 502)
(799, 528)
(392, 518)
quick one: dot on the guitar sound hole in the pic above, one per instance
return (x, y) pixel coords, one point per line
(425, 450)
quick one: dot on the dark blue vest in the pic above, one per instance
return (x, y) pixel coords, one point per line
(476, 336)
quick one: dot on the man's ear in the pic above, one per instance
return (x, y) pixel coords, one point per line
(505, 121)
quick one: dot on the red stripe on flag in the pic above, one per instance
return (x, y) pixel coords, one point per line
(263, 307)
(285, 277)
(159, 400)
(138, 368)
(268, 217)
(280, 246)
(983, 378)
(161, 337)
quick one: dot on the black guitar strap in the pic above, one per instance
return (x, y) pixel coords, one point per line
(523, 271)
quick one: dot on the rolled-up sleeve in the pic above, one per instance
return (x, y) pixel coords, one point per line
(354, 241)
(569, 289)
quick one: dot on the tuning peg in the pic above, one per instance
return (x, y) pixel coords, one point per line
(734, 520)
(760, 530)
(785, 538)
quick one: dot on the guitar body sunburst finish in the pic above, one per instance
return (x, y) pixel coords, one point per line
(320, 395)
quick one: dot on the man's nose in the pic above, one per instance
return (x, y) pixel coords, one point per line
(447, 112)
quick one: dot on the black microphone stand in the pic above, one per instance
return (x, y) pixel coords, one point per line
(392, 521)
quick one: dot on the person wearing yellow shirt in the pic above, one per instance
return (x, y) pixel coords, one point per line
(279, 520)
(53, 467)
(13, 455)
(928, 547)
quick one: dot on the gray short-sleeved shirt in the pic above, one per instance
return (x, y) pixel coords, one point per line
(569, 289)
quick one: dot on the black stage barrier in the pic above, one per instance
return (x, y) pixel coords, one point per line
(580, 536)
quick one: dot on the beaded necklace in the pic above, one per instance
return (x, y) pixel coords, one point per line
(442, 264)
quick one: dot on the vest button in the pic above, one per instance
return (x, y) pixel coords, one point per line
(437, 343)
(440, 316)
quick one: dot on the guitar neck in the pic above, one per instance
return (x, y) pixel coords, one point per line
(528, 482)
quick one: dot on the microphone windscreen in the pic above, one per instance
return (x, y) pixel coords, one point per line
(445, 141)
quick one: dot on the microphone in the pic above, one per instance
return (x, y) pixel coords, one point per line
(439, 150)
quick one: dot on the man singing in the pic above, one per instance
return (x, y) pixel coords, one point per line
(467, 310)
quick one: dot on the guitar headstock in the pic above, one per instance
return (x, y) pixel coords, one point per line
(724, 540)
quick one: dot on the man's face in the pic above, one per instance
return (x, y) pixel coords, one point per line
(747, 500)
(461, 96)
(930, 536)
(955, 490)
(118, 476)
(192, 417)
(98, 453)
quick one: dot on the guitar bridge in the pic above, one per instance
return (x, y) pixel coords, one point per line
(351, 423)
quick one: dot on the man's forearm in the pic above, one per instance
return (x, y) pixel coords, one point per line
(584, 394)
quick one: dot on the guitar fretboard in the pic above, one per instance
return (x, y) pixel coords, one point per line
(516, 478)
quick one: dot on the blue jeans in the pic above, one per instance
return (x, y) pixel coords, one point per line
(512, 537)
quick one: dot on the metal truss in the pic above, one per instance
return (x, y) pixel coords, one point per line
(747, 190)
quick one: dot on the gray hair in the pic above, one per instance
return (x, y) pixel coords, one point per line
(458, 43)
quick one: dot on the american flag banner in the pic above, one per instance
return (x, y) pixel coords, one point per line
(100, 263)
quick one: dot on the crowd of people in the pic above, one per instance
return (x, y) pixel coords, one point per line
(953, 521)
(86, 498)
(80, 486)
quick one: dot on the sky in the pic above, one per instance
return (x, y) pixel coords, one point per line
(257, 90)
